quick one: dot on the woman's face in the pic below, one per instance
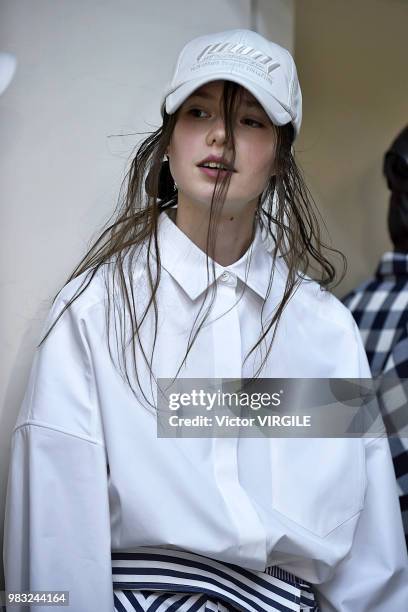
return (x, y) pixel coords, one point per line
(200, 132)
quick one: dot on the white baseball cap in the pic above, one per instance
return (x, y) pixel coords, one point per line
(264, 68)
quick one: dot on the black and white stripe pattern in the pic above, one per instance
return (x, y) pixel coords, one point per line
(158, 579)
(380, 309)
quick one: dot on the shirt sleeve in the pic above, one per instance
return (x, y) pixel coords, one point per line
(373, 577)
(57, 526)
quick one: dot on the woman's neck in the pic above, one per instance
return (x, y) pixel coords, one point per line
(234, 235)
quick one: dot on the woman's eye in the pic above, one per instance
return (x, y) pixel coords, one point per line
(253, 122)
(199, 114)
(196, 111)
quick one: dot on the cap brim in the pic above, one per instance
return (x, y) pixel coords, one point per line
(277, 113)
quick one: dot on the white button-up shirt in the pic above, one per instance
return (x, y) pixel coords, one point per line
(325, 510)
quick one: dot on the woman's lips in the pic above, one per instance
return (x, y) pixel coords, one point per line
(213, 172)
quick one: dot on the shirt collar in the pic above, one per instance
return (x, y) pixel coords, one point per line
(186, 262)
(392, 264)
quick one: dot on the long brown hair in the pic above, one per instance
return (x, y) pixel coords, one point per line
(286, 211)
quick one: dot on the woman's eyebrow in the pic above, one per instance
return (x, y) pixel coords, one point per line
(206, 96)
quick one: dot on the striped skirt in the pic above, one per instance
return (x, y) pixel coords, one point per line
(158, 579)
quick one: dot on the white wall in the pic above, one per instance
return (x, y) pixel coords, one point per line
(87, 71)
(275, 19)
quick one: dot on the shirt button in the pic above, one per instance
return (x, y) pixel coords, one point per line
(228, 278)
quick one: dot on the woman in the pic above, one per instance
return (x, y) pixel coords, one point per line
(201, 277)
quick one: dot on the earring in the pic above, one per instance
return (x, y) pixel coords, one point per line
(175, 186)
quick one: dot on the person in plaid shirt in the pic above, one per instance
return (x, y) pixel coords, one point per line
(380, 309)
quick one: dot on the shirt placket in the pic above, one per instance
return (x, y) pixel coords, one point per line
(227, 343)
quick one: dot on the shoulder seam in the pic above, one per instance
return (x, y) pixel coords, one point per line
(32, 422)
(81, 308)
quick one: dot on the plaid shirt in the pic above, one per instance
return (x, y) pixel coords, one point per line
(380, 309)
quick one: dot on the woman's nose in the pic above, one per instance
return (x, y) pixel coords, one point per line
(216, 132)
